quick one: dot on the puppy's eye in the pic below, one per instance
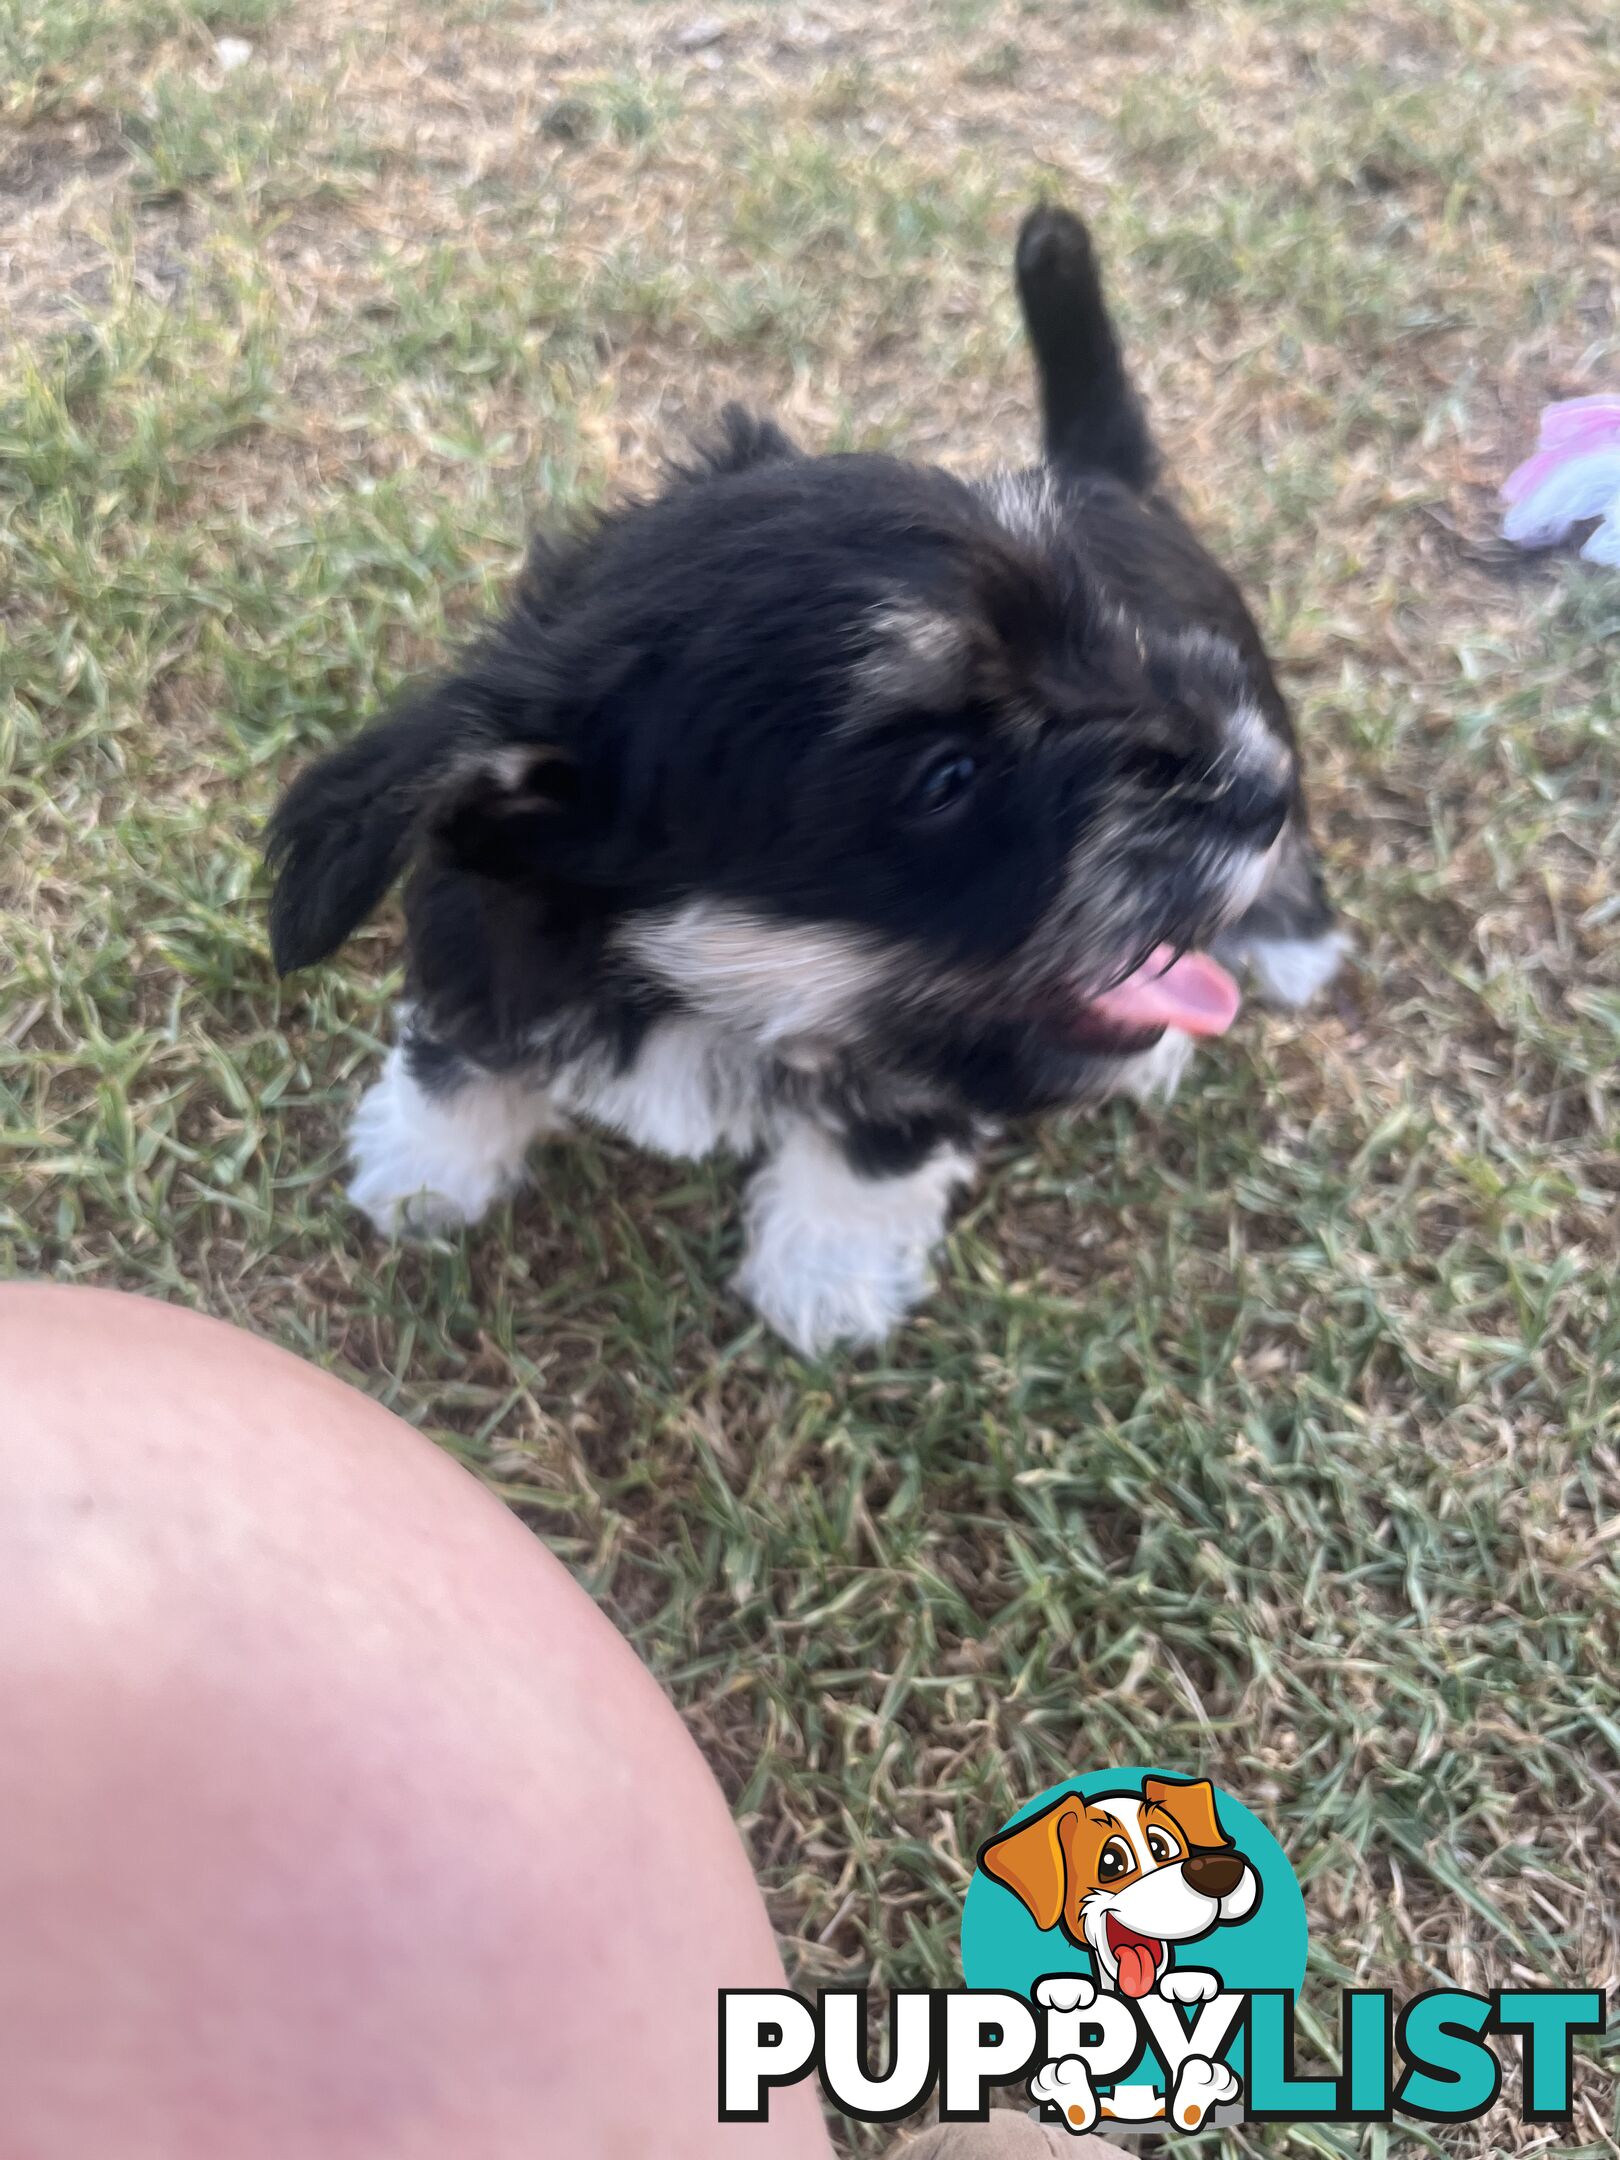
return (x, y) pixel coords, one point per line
(1114, 1861)
(1158, 770)
(943, 783)
(1162, 1846)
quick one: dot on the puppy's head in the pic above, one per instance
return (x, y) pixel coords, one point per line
(1127, 1875)
(855, 759)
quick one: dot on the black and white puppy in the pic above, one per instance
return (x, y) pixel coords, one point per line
(829, 810)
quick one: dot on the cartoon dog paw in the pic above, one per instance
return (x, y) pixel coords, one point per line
(1200, 2086)
(1190, 1986)
(1065, 1991)
(1066, 2085)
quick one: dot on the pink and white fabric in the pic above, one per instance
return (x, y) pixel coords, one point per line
(1574, 475)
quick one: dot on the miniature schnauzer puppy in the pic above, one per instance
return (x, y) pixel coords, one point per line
(831, 811)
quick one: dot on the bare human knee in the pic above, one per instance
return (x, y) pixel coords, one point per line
(333, 1816)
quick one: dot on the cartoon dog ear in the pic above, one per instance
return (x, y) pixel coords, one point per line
(1031, 1861)
(1192, 1802)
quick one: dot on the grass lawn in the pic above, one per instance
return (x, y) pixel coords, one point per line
(1278, 1433)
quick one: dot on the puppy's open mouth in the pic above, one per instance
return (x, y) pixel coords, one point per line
(1186, 990)
(1140, 1958)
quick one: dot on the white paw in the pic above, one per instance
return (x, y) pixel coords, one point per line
(836, 1257)
(1190, 1986)
(1066, 2085)
(820, 1291)
(421, 1210)
(1154, 1075)
(427, 1163)
(1065, 1991)
(1292, 971)
(1200, 2086)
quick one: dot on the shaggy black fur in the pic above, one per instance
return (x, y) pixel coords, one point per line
(734, 694)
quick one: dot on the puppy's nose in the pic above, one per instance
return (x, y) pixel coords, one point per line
(1214, 1874)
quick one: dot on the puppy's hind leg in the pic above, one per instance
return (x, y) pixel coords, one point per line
(840, 1240)
(437, 1141)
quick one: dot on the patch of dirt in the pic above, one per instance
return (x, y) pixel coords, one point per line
(44, 161)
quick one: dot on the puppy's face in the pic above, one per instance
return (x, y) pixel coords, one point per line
(1128, 1876)
(860, 762)
(930, 787)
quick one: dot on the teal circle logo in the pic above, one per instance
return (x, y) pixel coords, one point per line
(1126, 1878)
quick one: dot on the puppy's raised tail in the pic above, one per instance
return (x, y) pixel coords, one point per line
(1093, 418)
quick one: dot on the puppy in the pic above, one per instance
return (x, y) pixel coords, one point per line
(830, 811)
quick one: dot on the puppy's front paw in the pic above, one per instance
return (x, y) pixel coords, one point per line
(1065, 1992)
(418, 1210)
(425, 1165)
(1201, 2085)
(1191, 1985)
(1153, 1076)
(409, 1189)
(1292, 971)
(818, 1290)
(1066, 2085)
(834, 1256)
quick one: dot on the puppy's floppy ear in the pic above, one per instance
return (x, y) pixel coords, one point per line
(1031, 1861)
(347, 827)
(1192, 1802)
(342, 832)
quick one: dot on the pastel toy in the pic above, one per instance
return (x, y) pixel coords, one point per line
(1574, 475)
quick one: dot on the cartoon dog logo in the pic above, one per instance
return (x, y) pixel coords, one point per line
(1129, 1877)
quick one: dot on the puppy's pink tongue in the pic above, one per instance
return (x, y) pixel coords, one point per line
(1192, 992)
(1137, 1966)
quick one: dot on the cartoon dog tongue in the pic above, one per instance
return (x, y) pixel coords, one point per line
(1138, 1962)
(1187, 990)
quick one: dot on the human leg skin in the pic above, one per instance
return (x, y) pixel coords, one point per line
(335, 1821)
